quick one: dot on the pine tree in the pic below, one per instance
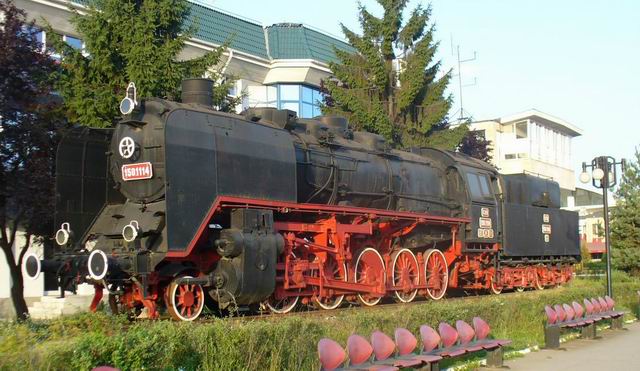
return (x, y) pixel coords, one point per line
(390, 84)
(30, 119)
(625, 220)
(130, 40)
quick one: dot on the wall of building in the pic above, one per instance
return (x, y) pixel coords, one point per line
(529, 146)
(32, 288)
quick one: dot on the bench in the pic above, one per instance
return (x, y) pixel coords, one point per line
(564, 316)
(383, 353)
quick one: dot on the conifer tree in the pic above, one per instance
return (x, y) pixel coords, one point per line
(391, 85)
(625, 220)
(130, 40)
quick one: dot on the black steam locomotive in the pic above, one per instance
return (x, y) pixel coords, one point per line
(180, 203)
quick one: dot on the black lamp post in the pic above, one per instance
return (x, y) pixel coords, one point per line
(604, 175)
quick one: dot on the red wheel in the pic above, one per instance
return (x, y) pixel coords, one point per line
(538, 281)
(405, 274)
(332, 270)
(184, 300)
(285, 304)
(436, 273)
(369, 270)
(496, 286)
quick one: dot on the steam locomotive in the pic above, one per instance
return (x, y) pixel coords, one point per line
(180, 204)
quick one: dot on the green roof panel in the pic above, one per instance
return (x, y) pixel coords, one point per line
(216, 27)
(286, 40)
(295, 41)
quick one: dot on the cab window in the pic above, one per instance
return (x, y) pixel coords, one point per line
(479, 187)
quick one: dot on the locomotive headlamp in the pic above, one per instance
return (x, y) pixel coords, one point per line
(131, 231)
(98, 265)
(63, 234)
(129, 103)
(31, 267)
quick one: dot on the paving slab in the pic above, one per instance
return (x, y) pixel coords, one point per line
(612, 350)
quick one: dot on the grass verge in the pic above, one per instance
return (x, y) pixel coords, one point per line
(283, 343)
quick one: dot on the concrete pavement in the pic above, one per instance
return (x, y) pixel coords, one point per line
(613, 350)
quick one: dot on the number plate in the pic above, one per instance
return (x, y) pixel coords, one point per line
(485, 223)
(140, 171)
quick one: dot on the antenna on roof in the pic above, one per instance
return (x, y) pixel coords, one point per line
(462, 114)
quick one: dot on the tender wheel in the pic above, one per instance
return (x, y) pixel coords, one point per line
(184, 300)
(495, 286)
(436, 273)
(282, 305)
(332, 270)
(537, 282)
(369, 270)
(405, 273)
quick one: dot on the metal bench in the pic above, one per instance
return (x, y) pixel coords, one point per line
(451, 342)
(360, 351)
(575, 316)
(385, 354)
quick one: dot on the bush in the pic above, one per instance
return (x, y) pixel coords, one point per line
(276, 343)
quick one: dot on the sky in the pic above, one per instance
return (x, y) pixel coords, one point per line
(576, 60)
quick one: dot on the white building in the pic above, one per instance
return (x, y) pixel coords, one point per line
(532, 142)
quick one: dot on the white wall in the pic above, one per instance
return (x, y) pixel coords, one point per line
(31, 288)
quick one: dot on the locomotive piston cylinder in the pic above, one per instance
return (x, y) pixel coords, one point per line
(99, 265)
(33, 266)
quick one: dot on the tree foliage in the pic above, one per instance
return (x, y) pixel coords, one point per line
(476, 146)
(625, 220)
(131, 40)
(29, 122)
(391, 85)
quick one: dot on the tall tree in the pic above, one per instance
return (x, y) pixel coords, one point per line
(131, 40)
(29, 121)
(625, 220)
(391, 85)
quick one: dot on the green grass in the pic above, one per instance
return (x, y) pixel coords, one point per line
(284, 343)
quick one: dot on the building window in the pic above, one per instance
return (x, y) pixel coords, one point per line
(521, 129)
(510, 156)
(73, 42)
(480, 133)
(303, 100)
(37, 33)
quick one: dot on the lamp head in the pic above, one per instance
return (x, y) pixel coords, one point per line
(585, 177)
(598, 174)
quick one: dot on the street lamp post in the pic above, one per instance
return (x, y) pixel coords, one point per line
(604, 175)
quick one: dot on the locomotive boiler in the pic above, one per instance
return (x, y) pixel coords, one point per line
(181, 204)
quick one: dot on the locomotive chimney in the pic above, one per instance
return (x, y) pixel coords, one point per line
(199, 91)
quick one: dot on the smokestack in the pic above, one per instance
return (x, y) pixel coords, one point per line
(199, 91)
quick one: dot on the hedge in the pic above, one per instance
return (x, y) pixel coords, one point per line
(276, 343)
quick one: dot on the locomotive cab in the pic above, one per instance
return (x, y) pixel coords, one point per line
(485, 227)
